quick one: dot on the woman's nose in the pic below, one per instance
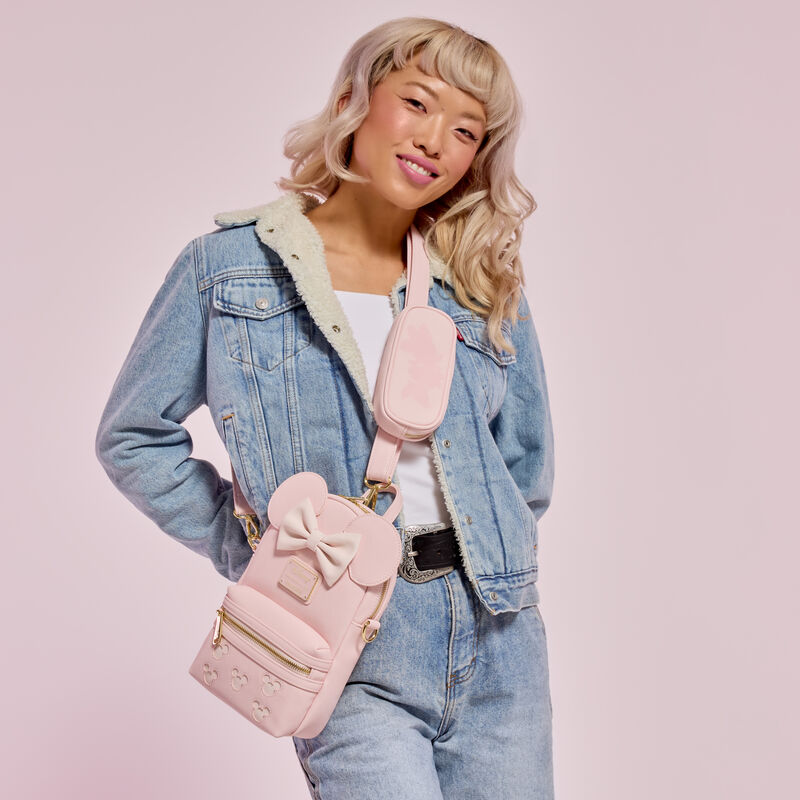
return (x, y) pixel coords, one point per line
(429, 137)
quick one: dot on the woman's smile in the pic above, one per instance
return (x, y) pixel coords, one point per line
(415, 172)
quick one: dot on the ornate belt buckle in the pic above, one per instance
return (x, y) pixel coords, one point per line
(408, 568)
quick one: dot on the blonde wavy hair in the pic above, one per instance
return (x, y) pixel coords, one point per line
(476, 227)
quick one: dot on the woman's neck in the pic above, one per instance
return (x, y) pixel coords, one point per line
(357, 222)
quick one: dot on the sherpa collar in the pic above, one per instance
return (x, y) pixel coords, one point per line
(284, 228)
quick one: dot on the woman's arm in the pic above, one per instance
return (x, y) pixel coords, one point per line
(523, 429)
(141, 443)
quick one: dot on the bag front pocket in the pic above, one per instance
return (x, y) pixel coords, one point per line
(267, 675)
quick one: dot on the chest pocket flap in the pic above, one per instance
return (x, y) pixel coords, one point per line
(256, 297)
(264, 320)
(476, 336)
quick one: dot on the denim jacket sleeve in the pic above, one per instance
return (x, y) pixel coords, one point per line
(523, 428)
(140, 441)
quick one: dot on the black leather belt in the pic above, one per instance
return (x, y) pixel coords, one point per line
(428, 554)
(436, 549)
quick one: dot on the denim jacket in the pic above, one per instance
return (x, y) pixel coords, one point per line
(247, 322)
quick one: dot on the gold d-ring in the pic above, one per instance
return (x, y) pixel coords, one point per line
(364, 630)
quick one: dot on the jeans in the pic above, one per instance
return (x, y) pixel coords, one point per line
(449, 702)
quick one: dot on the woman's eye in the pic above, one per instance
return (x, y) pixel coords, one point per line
(412, 100)
(470, 134)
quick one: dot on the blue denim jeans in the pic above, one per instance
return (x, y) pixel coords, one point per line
(449, 702)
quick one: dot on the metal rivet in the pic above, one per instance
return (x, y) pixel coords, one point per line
(468, 518)
(262, 303)
(493, 595)
(336, 328)
(446, 443)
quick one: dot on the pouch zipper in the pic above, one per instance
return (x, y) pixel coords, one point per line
(275, 652)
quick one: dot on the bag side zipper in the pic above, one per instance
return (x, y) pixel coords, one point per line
(370, 618)
(359, 501)
(273, 650)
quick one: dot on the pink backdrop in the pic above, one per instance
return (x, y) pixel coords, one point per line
(661, 146)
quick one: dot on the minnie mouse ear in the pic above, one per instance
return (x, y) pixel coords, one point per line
(379, 551)
(293, 491)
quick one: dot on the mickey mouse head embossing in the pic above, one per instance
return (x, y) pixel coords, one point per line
(209, 675)
(238, 679)
(260, 713)
(220, 651)
(270, 685)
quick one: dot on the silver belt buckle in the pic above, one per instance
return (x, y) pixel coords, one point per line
(408, 569)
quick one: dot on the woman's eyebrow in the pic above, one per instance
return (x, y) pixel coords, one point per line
(467, 114)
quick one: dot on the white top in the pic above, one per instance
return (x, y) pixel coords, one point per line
(370, 317)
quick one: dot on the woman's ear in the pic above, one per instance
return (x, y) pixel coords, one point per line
(343, 101)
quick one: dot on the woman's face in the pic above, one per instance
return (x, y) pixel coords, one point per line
(418, 118)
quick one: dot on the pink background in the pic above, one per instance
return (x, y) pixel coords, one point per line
(661, 146)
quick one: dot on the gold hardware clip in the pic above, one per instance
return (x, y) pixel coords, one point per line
(374, 488)
(251, 528)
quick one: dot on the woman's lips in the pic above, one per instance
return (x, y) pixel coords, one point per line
(416, 177)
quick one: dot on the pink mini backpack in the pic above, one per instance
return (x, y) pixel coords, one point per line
(289, 633)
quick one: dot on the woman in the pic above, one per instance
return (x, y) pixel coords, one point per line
(277, 322)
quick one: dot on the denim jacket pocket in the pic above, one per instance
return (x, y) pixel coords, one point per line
(234, 448)
(238, 458)
(264, 320)
(490, 362)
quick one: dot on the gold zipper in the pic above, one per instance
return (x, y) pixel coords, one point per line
(284, 658)
(356, 501)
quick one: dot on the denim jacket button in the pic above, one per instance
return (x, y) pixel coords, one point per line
(468, 519)
(262, 303)
(493, 595)
(446, 443)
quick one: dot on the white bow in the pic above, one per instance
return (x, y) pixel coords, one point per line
(299, 529)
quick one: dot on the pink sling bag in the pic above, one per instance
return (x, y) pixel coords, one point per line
(289, 633)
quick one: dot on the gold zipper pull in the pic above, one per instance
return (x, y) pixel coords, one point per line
(217, 629)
